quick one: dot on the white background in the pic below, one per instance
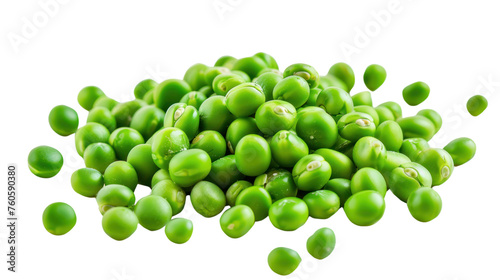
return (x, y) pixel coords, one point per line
(452, 45)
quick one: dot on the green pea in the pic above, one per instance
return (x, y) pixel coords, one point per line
(179, 230)
(340, 186)
(103, 116)
(59, 218)
(169, 92)
(341, 165)
(394, 107)
(365, 208)
(184, 117)
(123, 112)
(194, 98)
(283, 261)
(243, 75)
(412, 147)
(251, 65)
(461, 150)
(433, 116)
(390, 134)
(195, 76)
(225, 61)
(369, 152)
(89, 134)
(122, 173)
(287, 148)
(214, 114)
(374, 76)
(140, 158)
(311, 172)
(293, 89)
(153, 212)
(417, 127)
(172, 193)
(166, 143)
(105, 102)
(211, 142)
(143, 87)
(288, 213)
(212, 72)
(368, 178)
(223, 83)
(237, 221)
(160, 175)
(304, 71)
(63, 120)
(238, 129)
(258, 199)
(344, 72)
(424, 204)
(267, 81)
(335, 101)
(114, 196)
(119, 223)
(253, 155)
(362, 98)
(331, 81)
(322, 204)
(88, 95)
(99, 156)
(148, 120)
(123, 140)
(189, 167)
(313, 96)
(207, 199)
(316, 127)
(369, 111)
(269, 70)
(393, 160)
(321, 244)
(407, 178)
(384, 114)
(439, 163)
(355, 125)
(476, 105)
(278, 183)
(244, 100)
(45, 161)
(416, 93)
(268, 59)
(275, 115)
(234, 190)
(87, 182)
(224, 172)
(344, 146)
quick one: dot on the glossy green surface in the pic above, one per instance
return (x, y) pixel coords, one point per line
(148, 120)
(59, 218)
(63, 120)
(362, 98)
(293, 89)
(99, 156)
(166, 143)
(122, 173)
(153, 212)
(311, 172)
(169, 92)
(416, 93)
(322, 204)
(433, 116)
(105, 102)
(393, 160)
(211, 142)
(342, 166)
(267, 82)
(424, 204)
(268, 60)
(344, 72)
(119, 223)
(365, 208)
(355, 125)
(89, 134)
(123, 140)
(179, 230)
(253, 155)
(340, 186)
(173, 193)
(316, 127)
(258, 199)
(237, 221)
(238, 129)
(88, 95)
(394, 107)
(103, 116)
(283, 261)
(140, 158)
(278, 183)
(184, 117)
(113, 196)
(461, 150)
(207, 199)
(225, 61)
(335, 101)
(194, 98)
(224, 172)
(87, 182)
(189, 167)
(305, 71)
(321, 244)
(390, 134)
(45, 161)
(369, 152)
(370, 111)
(439, 163)
(234, 190)
(417, 127)
(251, 65)
(223, 83)
(368, 178)
(214, 115)
(275, 115)
(287, 148)
(476, 105)
(374, 76)
(212, 72)
(160, 175)
(331, 81)
(244, 99)
(384, 114)
(288, 213)
(407, 178)
(143, 87)
(412, 147)
(123, 112)
(195, 76)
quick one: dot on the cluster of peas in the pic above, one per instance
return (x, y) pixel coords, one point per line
(287, 146)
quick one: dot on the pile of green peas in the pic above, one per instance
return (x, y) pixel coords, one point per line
(285, 145)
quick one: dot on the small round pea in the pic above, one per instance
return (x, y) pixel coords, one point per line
(267, 82)
(433, 116)
(88, 95)
(278, 183)
(59, 218)
(184, 117)
(394, 107)
(45, 161)
(166, 143)
(159, 176)
(238, 129)
(143, 87)
(307, 72)
(234, 190)
(311, 172)
(189, 167)
(365, 208)
(355, 125)
(148, 120)
(124, 112)
(224, 172)
(253, 155)
(119, 223)
(105, 102)
(335, 101)
(342, 166)
(237, 221)
(251, 65)
(331, 81)
(87, 181)
(316, 127)
(287, 148)
(439, 163)
(424, 204)
(211, 142)
(340, 186)
(344, 72)
(179, 230)
(476, 105)
(153, 212)
(214, 115)
(140, 158)
(99, 156)
(374, 76)
(244, 100)
(412, 147)
(268, 59)
(417, 127)
(384, 114)
(103, 116)
(122, 173)
(123, 140)
(195, 76)
(288, 213)
(172, 192)
(369, 152)
(416, 93)
(169, 92)
(322, 204)
(258, 199)
(113, 196)
(283, 261)
(63, 120)
(275, 115)
(321, 244)
(390, 134)
(223, 83)
(368, 178)
(89, 134)
(293, 89)
(461, 150)
(407, 178)
(362, 98)
(207, 199)
(194, 98)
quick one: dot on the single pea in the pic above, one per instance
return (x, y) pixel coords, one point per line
(331, 81)
(316, 127)
(89, 134)
(87, 182)
(253, 155)
(342, 166)
(461, 150)
(237, 221)
(244, 100)
(287, 148)
(207, 199)
(214, 114)
(99, 156)
(189, 167)
(123, 112)
(103, 116)
(184, 117)
(417, 127)
(283, 261)
(433, 116)
(278, 183)
(195, 76)
(407, 178)
(365, 208)
(321, 244)
(268, 59)
(322, 204)
(238, 129)
(439, 163)
(179, 230)
(390, 134)
(362, 98)
(234, 190)
(63, 120)
(258, 199)
(251, 65)
(119, 223)
(335, 101)
(355, 125)
(153, 212)
(123, 140)
(384, 114)
(140, 158)
(160, 175)
(369, 152)
(369, 111)
(267, 81)
(194, 98)
(105, 102)
(169, 92)
(344, 72)
(45, 161)
(293, 89)
(412, 147)
(211, 142)
(368, 178)
(393, 160)
(59, 218)
(307, 72)
(88, 95)
(166, 143)
(416, 93)
(148, 120)
(113, 196)
(223, 83)
(275, 115)
(340, 186)
(394, 107)
(143, 87)
(288, 213)
(476, 105)
(424, 204)
(225, 61)
(122, 173)
(311, 172)
(224, 172)
(170, 191)
(374, 76)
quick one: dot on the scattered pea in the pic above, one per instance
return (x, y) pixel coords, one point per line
(59, 218)
(63, 120)
(45, 161)
(476, 105)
